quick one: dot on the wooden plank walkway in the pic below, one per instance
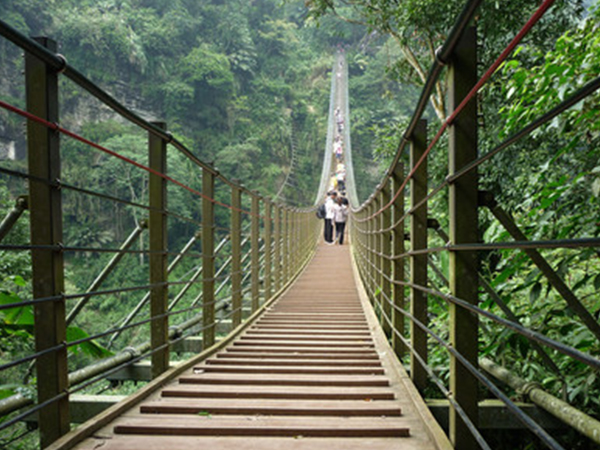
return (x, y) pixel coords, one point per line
(313, 372)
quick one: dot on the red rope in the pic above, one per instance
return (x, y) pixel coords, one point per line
(472, 93)
(57, 127)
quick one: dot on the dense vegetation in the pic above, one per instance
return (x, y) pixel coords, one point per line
(239, 81)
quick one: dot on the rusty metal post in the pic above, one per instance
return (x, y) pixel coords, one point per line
(386, 266)
(418, 263)
(157, 224)
(255, 250)
(208, 258)
(463, 229)
(236, 256)
(268, 251)
(45, 203)
(277, 246)
(398, 264)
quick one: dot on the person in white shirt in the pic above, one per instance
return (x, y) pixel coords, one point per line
(329, 216)
(340, 218)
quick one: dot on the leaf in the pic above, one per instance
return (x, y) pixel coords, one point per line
(597, 282)
(19, 281)
(535, 291)
(7, 390)
(596, 187)
(91, 348)
(19, 315)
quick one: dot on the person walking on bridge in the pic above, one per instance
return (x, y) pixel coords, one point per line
(329, 216)
(340, 218)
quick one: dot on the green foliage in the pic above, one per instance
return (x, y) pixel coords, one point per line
(18, 323)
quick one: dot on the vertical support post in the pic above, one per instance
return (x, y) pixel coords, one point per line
(386, 245)
(268, 248)
(236, 256)
(208, 258)
(375, 259)
(295, 240)
(43, 152)
(157, 224)
(368, 255)
(398, 264)
(463, 229)
(277, 247)
(418, 263)
(255, 250)
(286, 245)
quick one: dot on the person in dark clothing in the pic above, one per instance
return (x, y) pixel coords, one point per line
(329, 216)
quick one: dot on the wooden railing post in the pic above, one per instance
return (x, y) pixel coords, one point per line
(418, 263)
(157, 224)
(268, 251)
(386, 245)
(208, 258)
(45, 204)
(398, 264)
(463, 229)
(255, 251)
(277, 246)
(236, 256)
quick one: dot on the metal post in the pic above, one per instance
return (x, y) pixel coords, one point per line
(43, 151)
(398, 264)
(268, 248)
(277, 249)
(159, 295)
(255, 250)
(375, 259)
(386, 245)
(368, 255)
(208, 258)
(286, 244)
(236, 256)
(418, 263)
(295, 240)
(463, 229)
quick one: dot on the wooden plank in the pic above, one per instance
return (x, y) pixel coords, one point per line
(300, 350)
(296, 392)
(285, 380)
(200, 425)
(296, 354)
(298, 442)
(294, 362)
(337, 370)
(279, 407)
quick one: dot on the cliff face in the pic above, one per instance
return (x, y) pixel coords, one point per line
(77, 107)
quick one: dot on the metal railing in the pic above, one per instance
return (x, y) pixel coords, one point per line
(398, 211)
(235, 272)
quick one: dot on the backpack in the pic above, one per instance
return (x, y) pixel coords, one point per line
(321, 211)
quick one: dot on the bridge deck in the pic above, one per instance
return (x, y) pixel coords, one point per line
(313, 372)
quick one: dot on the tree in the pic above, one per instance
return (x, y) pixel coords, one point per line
(419, 27)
